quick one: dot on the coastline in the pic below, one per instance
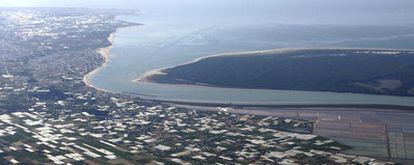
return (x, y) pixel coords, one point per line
(147, 77)
(104, 52)
(160, 71)
(144, 78)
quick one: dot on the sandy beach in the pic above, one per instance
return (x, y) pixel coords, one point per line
(105, 51)
(161, 71)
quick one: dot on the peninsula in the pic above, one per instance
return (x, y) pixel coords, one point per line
(369, 71)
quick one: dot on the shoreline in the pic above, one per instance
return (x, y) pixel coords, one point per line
(249, 104)
(104, 52)
(146, 77)
(161, 71)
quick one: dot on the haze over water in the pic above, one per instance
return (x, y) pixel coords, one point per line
(178, 31)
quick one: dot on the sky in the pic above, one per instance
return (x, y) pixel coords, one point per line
(385, 5)
(336, 11)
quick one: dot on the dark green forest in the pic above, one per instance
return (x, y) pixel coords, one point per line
(388, 72)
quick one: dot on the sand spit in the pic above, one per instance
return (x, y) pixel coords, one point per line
(145, 78)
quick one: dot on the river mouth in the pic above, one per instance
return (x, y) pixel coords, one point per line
(159, 44)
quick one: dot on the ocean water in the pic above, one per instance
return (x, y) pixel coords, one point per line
(172, 36)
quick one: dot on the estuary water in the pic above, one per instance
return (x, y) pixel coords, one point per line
(169, 38)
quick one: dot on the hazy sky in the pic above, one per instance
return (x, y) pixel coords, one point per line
(129, 3)
(316, 11)
(384, 5)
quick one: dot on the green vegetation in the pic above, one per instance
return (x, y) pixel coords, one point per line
(339, 70)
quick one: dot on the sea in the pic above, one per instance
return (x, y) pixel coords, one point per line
(176, 32)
